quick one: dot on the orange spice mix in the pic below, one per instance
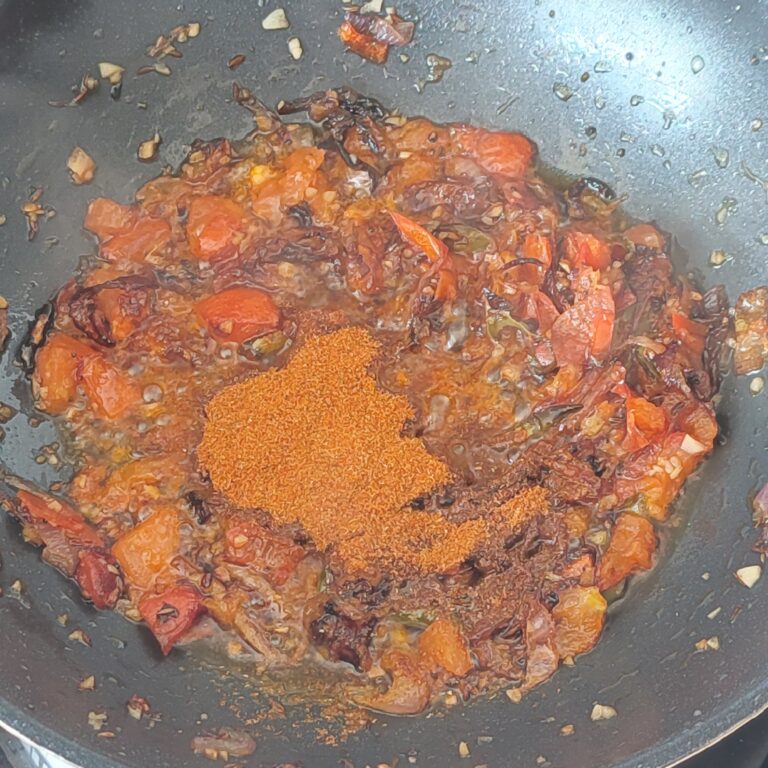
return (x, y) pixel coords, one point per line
(317, 442)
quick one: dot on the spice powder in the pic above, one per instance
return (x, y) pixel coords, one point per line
(317, 442)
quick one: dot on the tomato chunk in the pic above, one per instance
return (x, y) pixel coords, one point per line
(435, 250)
(497, 152)
(645, 420)
(60, 515)
(539, 247)
(99, 578)
(579, 617)
(633, 542)
(171, 614)
(586, 329)
(108, 389)
(249, 543)
(689, 332)
(144, 238)
(363, 45)
(106, 217)
(147, 550)
(215, 227)
(239, 314)
(586, 248)
(57, 367)
(443, 644)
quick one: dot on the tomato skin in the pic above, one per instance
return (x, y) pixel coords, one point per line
(363, 45)
(109, 391)
(633, 542)
(435, 250)
(170, 614)
(248, 543)
(499, 153)
(146, 551)
(57, 371)
(106, 217)
(99, 579)
(145, 237)
(442, 644)
(586, 329)
(215, 226)
(586, 248)
(238, 314)
(61, 516)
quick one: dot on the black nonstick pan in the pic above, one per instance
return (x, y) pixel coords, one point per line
(666, 101)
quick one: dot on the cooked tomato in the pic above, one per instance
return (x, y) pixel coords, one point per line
(147, 550)
(586, 329)
(99, 578)
(57, 371)
(645, 421)
(539, 247)
(497, 152)
(105, 217)
(434, 249)
(442, 644)
(110, 392)
(691, 333)
(239, 314)
(145, 238)
(587, 248)
(579, 617)
(60, 515)
(215, 227)
(123, 309)
(633, 542)
(248, 543)
(363, 45)
(645, 235)
(171, 614)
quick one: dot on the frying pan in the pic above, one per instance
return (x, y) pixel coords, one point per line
(661, 99)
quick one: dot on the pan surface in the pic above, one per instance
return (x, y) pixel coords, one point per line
(664, 100)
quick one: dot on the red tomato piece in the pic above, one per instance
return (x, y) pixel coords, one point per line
(57, 371)
(300, 172)
(109, 391)
(586, 329)
(442, 644)
(238, 314)
(123, 310)
(147, 550)
(586, 248)
(215, 227)
(99, 578)
(539, 247)
(645, 421)
(363, 45)
(60, 515)
(689, 332)
(434, 249)
(497, 152)
(633, 542)
(249, 543)
(171, 614)
(146, 237)
(105, 217)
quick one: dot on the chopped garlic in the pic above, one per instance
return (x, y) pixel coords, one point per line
(295, 48)
(147, 150)
(757, 385)
(193, 29)
(602, 712)
(514, 695)
(749, 575)
(81, 166)
(111, 72)
(276, 20)
(463, 749)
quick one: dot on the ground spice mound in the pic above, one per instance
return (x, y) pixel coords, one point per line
(317, 442)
